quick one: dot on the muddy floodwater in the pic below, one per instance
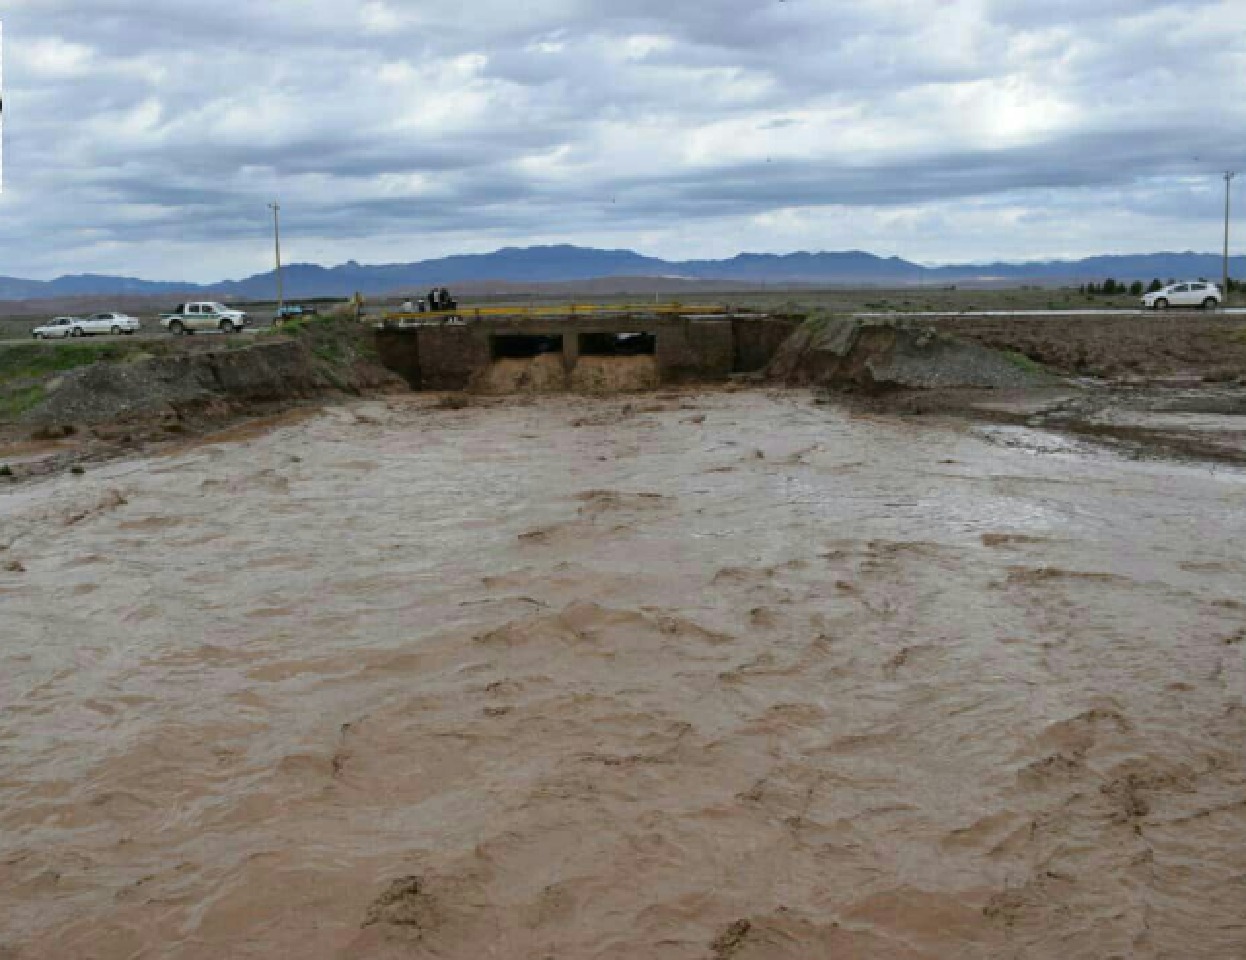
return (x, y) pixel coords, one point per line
(729, 675)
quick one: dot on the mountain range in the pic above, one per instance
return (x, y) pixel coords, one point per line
(565, 263)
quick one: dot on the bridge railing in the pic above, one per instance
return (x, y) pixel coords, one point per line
(566, 311)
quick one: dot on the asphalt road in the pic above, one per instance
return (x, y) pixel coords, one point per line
(14, 331)
(144, 334)
(1045, 313)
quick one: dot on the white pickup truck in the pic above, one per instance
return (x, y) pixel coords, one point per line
(203, 315)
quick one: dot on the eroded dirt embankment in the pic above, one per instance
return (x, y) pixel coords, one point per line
(131, 397)
(876, 356)
(1178, 386)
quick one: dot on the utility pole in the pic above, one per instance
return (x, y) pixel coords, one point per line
(276, 209)
(1229, 180)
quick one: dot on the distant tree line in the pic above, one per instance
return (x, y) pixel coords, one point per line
(1110, 288)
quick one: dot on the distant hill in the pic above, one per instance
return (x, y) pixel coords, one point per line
(1129, 267)
(15, 288)
(561, 264)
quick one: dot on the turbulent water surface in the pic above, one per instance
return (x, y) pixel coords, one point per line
(729, 675)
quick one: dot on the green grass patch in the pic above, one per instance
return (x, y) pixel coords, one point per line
(31, 361)
(292, 326)
(330, 351)
(296, 326)
(17, 402)
(815, 323)
(1022, 362)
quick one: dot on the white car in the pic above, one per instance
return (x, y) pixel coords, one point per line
(56, 328)
(203, 315)
(96, 324)
(112, 323)
(1192, 294)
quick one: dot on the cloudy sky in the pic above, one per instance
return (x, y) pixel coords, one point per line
(147, 138)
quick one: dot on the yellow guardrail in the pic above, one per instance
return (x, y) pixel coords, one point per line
(563, 310)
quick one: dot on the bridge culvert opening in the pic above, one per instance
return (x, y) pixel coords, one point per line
(618, 344)
(516, 346)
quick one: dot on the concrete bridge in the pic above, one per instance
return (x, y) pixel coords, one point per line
(601, 350)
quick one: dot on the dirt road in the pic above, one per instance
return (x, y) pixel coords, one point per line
(729, 675)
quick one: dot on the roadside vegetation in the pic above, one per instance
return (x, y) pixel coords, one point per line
(815, 321)
(1023, 362)
(33, 360)
(13, 403)
(25, 368)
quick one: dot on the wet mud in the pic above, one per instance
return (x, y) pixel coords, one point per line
(728, 675)
(1180, 420)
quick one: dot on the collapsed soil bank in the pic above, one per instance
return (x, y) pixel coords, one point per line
(911, 368)
(129, 398)
(273, 370)
(878, 356)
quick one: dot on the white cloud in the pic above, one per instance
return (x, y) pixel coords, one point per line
(377, 17)
(51, 58)
(936, 129)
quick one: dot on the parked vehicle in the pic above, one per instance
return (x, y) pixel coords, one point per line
(56, 329)
(98, 324)
(111, 323)
(1190, 294)
(203, 315)
(291, 311)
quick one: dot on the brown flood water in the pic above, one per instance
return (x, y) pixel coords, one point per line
(718, 676)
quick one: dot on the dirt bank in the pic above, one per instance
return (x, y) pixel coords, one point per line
(701, 676)
(76, 402)
(1179, 386)
(1145, 345)
(878, 356)
(72, 402)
